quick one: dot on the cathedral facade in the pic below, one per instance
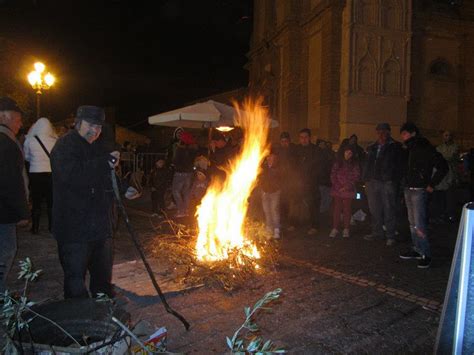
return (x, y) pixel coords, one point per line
(339, 67)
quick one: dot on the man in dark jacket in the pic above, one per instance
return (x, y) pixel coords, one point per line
(83, 203)
(286, 162)
(425, 169)
(221, 153)
(13, 185)
(183, 173)
(382, 173)
(325, 167)
(307, 161)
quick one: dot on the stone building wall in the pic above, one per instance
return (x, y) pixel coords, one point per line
(340, 66)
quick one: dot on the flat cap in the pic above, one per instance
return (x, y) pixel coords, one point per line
(91, 114)
(7, 104)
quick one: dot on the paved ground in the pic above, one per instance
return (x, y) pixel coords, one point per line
(339, 296)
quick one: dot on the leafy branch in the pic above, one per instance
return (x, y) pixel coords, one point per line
(14, 308)
(256, 344)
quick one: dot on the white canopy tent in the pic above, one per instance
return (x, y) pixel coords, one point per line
(209, 114)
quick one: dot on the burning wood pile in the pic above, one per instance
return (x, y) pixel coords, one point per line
(174, 246)
(227, 247)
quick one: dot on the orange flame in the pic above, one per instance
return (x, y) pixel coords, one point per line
(223, 209)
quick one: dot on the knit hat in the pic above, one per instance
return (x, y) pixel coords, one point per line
(383, 127)
(217, 136)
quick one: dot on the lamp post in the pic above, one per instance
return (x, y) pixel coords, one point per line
(40, 81)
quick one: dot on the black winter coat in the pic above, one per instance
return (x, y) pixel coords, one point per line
(388, 166)
(13, 203)
(425, 166)
(82, 190)
(307, 161)
(183, 159)
(160, 178)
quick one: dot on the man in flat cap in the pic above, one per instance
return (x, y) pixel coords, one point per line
(82, 205)
(382, 174)
(13, 185)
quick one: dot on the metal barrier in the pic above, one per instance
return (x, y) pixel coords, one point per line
(146, 161)
(136, 167)
(456, 328)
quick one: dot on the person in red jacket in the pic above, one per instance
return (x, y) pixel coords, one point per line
(344, 175)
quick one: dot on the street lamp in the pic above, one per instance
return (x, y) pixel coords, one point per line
(39, 82)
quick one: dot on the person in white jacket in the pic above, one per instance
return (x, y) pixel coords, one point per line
(38, 144)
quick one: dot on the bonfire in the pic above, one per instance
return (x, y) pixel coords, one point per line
(223, 209)
(227, 246)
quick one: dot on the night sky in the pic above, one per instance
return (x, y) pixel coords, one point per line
(142, 57)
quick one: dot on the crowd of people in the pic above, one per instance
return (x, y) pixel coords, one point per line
(393, 176)
(72, 173)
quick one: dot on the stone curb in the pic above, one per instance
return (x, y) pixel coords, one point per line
(431, 305)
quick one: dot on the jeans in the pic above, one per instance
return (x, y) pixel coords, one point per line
(382, 205)
(312, 200)
(78, 258)
(416, 201)
(326, 199)
(342, 205)
(181, 187)
(7, 251)
(271, 208)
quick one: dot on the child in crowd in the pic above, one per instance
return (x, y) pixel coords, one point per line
(270, 186)
(159, 181)
(344, 175)
(198, 189)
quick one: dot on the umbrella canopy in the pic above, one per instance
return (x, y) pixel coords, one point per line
(201, 115)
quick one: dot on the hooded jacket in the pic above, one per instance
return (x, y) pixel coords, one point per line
(425, 165)
(34, 153)
(307, 162)
(344, 176)
(82, 190)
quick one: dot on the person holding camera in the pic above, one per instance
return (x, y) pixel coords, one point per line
(83, 205)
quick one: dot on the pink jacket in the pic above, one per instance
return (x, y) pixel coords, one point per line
(343, 179)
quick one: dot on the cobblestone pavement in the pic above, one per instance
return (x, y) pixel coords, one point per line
(339, 295)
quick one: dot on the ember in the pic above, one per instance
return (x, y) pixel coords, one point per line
(174, 243)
